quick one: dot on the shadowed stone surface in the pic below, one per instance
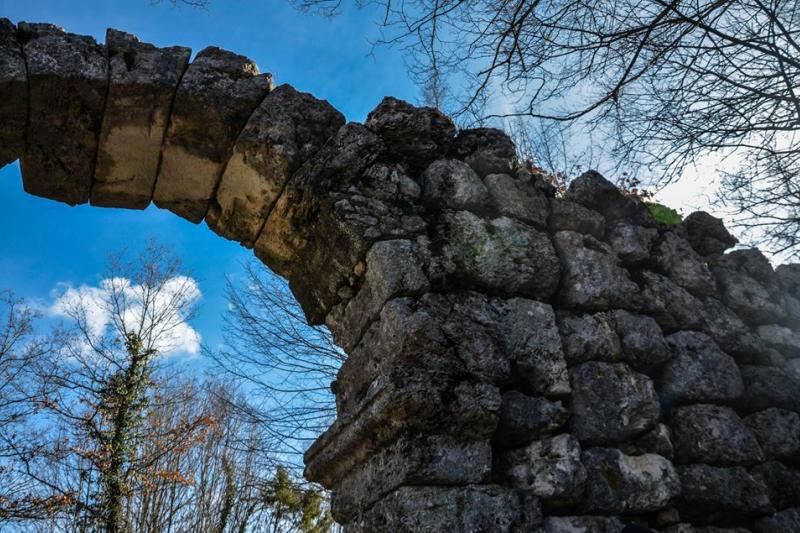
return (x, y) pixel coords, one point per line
(495, 330)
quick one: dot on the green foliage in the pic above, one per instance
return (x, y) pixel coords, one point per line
(664, 214)
(295, 507)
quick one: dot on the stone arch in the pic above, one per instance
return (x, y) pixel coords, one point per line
(518, 360)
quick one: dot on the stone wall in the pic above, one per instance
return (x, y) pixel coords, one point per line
(517, 361)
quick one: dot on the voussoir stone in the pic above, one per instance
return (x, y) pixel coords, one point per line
(778, 432)
(698, 372)
(414, 135)
(713, 494)
(592, 278)
(611, 403)
(619, 483)
(526, 418)
(14, 88)
(68, 77)
(452, 183)
(143, 80)
(286, 129)
(486, 150)
(431, 509)
(215, 98)
(713, 435)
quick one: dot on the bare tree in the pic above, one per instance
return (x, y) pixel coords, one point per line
(100, 375)
(284, 364)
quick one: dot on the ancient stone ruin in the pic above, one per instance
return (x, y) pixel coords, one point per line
(518, 361)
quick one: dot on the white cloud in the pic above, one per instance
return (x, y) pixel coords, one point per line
(175, 335)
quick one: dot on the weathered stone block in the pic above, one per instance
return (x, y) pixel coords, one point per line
(502, 255)
(782, 482)
(698, 372)
(311, 239)
(712, 435)
(595, 192)
(413, 460)
(592, 277)
(748, 286)
(526, 418)
(414, 135)
(707, 234)
(719, 495)
(68, 77)
(731, 333)
(618, 483)
(781, 338)
(611, 403)
(486, 150)
(781, 522)
(571, 216)
(450, 183)
(676, 258)
(582, 524)
(766, 387)
(477, 508)
(392, 270)
(673, 307)
(658, 441)
(641, 340)
(14, 88)
(216, 96)
(777, 431)
(518, 198)
(143, 80)
(286, 129)
(632, 243)
(551, 468)
(588, 338)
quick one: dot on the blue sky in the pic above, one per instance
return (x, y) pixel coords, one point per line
(45, 243)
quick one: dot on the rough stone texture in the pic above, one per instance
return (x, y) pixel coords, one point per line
(486, 150)
(433, 261)
(452, 183)
(477, 508)
(592, 279)
(781, 522)
(680, 262)
(618, 483)
(633, 244)
(68, 78)
(571, 216)
(550, 468)
(720, 495)
(216, 96)
(499, 255)
(698, 372)
(143, 80)
(518, 198)
(611, 403)
(766, 387)
(707, 234)
(526, 418)
(712, 435)
(777, 431)
(286, 129)
(582, 524)
(14, 88)
(416, 135)
(588, 337)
